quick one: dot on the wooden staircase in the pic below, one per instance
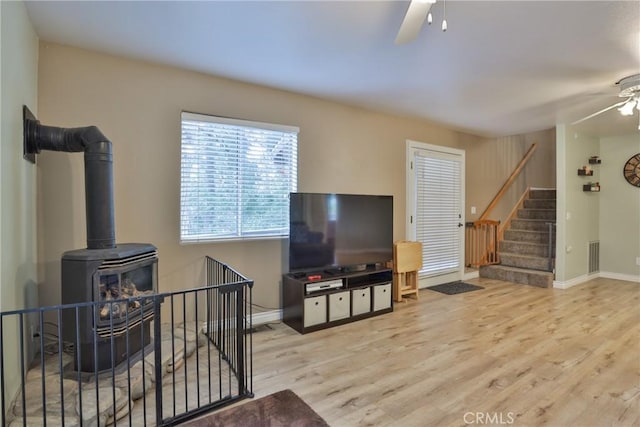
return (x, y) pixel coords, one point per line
(524, 251)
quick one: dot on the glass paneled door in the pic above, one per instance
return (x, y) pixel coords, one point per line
(435, 189)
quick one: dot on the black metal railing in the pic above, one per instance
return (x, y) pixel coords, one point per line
(196, 356)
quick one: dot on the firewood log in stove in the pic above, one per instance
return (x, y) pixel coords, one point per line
(104, 312)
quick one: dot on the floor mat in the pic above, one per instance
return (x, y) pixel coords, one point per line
(453, 288)
(283, 408)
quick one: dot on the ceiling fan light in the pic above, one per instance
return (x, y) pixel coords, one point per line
(627, 108)
(444, 16)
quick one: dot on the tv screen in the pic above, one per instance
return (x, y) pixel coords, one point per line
(339, 230)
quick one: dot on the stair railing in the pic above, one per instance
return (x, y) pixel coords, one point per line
(551, 253)
(509, 181)
(482, 243)
(514, 213)
(482, 236)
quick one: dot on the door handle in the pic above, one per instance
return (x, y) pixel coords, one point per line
(460, 224)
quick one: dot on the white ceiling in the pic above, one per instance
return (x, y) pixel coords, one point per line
(502, 68)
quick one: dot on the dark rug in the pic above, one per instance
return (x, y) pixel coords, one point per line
(453, 288)
(281, 409)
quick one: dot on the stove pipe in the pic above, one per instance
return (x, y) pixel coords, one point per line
(98, 173)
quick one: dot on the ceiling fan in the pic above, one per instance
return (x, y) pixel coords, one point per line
(418, 11)
(630, 91)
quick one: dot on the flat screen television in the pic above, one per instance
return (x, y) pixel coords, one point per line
(329, 231)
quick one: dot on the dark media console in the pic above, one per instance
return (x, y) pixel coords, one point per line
(322, 299)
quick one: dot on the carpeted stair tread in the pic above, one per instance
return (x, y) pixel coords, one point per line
(524, 248)
(540, 204)
(529, 262)
(542, 194)
(521, 255)
(519, 270)
(542, 279)
(530, 236)
(525, 270)
(532, 224)
(548, 214)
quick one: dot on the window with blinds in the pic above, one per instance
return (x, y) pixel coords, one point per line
(438, 210)
(235, 178)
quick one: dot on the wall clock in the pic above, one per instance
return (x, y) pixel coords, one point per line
(631, 170)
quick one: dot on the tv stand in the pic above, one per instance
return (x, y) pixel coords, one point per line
(314, 301)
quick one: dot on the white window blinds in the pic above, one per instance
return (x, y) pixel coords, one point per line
(235, 178)
(438, 210)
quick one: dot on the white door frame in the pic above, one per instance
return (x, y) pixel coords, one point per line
(411, 146)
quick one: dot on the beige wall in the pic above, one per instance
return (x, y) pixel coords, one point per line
(18, 84)
(137, 105)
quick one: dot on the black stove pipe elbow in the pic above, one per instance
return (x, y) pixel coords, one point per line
(98, 173)
(70, 140)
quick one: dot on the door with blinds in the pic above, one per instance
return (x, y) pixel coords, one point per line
(435, 210)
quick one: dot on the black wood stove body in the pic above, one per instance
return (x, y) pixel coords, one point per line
(119, 278)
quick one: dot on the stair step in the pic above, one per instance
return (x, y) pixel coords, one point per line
(530, 236)
(524, 261)
(549, 214)
(540, 203)
(529, 224)
(524, 276)
(542, 194)
(524, 248)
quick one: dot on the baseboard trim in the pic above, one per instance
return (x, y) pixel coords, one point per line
(471, 275)
(257, 319)
(575, 281)
(586, 277)
(619, 276)
(263, 317)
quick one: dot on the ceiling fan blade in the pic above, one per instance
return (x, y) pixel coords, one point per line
(618, 104)
(413, 20)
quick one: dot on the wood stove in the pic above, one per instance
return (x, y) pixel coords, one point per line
(114, 278)
(117, 327)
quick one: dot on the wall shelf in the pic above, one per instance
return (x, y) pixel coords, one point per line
(591, 187)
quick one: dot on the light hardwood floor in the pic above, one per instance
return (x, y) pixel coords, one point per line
(508, 354)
